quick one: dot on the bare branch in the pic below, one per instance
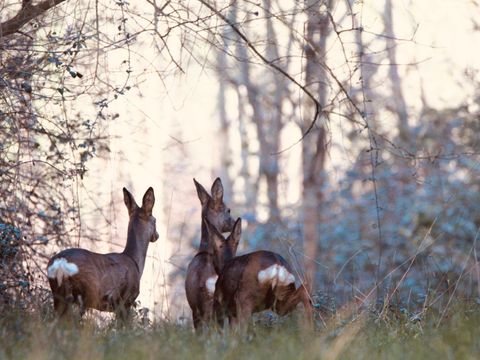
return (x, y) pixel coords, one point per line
(270, 63)
(24, 15)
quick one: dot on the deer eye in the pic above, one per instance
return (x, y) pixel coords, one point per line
(228, 210)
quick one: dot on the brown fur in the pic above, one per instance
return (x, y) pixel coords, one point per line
(109, 282)
(239, 293)
(201, 267)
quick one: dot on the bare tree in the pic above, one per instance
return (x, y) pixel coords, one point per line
(267, 120)
(27, 12)
(224, 136)
(314, 145)
(400, 106)
(250, 180)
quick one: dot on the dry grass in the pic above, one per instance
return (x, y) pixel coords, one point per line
(364, 336)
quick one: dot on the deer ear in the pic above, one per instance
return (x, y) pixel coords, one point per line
(201, 192)
(215, 239)
(129, 201)
(148, 201)
(217, 190)
(236, 233)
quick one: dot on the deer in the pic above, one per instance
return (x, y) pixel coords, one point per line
(250, 283)
(201, 276)
(105, 282)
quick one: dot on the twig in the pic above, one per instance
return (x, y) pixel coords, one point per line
(271, 64)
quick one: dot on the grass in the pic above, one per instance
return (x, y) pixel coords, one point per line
(367, 336)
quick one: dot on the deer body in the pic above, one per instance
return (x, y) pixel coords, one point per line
(105, 282)
(201, 275)
(255, 282)
(198, 288)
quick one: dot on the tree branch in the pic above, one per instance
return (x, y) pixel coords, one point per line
(24, 15)
(270, 63)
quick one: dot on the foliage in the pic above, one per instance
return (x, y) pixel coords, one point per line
(426, 205)
(44, 145)
(14, 282)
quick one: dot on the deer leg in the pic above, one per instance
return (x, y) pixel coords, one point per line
(244, 313)
(81, 305)
(62, 298)
(197, 319)
(233, 321)
(208, 312)
(123, 314)
(220, 313)
(60, 305)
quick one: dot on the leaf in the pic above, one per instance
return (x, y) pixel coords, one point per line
(26, 86)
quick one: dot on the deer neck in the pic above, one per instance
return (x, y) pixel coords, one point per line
(137, 244)
(204, 239)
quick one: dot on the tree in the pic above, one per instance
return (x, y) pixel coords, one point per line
(27, 12)
(314, 146)
(319, 65)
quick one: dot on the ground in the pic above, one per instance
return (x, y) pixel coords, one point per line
(365, 335)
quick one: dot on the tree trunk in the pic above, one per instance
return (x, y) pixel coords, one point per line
(400, 106)
(225, 153)
(368, 68)
(267, 120)
(313, 163)
(314, 145)
(250, 181)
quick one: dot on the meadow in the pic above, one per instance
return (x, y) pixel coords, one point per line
(390, 334)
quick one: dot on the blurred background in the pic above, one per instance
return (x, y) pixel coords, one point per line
(346, 134)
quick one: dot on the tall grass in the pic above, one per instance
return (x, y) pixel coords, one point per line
(363, 336)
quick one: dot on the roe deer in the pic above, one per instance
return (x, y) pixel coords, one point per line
(201, 276)
(252, 282)
(105, 282)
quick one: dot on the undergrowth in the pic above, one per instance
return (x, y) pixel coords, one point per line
(365, 335)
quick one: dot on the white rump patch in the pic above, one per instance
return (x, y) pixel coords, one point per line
(61, 269)
(210, 284)
(276, 274)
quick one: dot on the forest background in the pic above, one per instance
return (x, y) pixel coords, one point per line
(346, 134)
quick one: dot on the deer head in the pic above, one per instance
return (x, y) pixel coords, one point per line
(141, 227)
(223, 249)
(213, 207)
